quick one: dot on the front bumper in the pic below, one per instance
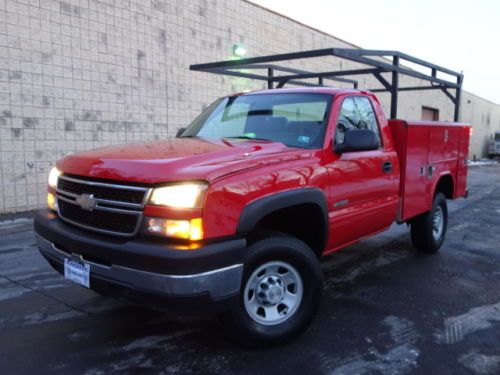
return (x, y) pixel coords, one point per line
(145, 271)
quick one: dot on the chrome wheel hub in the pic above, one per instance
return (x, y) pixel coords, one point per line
(270, 291)
(273, 293)
(437, 223)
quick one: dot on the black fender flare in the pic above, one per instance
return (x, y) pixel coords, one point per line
(258, 209)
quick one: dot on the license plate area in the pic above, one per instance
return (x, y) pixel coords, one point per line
(77, 272)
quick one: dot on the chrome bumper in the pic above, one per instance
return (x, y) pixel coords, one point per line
(218, 283)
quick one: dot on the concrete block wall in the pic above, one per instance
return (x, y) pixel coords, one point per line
(81, 74)
(484, 115)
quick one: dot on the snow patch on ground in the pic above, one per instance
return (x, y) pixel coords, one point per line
(362, 268)
(9, 224)
(402, 330)
(481, 162)
(10, 290)
(398, 360)
(148, 342)
(480, 363)
(77, 336)
(123, 366)
(39, 318)
(159, 351)
(476, 319)
(400, 357)
(459, 227)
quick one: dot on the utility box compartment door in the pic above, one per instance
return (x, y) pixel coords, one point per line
(443, 144)
(412, 146)
(417, 186)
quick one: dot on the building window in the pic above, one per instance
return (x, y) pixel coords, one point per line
(430, 114)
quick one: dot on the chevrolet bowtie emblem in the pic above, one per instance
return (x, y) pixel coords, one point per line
(87, 202)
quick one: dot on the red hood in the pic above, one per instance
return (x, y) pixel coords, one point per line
(175, 160)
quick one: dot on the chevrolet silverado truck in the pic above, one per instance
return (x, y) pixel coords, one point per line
(234, 214)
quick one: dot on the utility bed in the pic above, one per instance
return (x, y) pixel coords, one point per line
(427, 151)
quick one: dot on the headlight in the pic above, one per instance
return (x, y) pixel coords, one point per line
(53, 177)
(188, 195)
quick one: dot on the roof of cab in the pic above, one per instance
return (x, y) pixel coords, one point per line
(304, 90)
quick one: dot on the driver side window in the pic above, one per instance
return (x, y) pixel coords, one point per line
(356, 113)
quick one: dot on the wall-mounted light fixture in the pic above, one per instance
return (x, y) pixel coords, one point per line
(239, 50)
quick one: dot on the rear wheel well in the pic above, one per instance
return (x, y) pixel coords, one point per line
(445, 186)
(304, 221)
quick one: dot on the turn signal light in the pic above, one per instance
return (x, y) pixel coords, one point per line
(184, 229)
(51, 201)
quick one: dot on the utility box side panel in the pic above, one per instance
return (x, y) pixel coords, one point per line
(428, 152)
(443, 144)
(443, 154)
(448, 149)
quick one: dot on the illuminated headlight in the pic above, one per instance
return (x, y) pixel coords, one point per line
(186, 229)
(188, 195)
(53, 177)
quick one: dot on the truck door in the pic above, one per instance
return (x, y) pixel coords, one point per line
(363, 185)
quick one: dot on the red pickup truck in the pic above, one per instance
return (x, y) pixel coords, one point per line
(235, 213)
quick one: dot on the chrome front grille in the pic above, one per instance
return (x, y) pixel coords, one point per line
(101, 207)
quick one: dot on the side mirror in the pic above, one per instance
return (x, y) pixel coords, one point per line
(179, 132)
(358, 140)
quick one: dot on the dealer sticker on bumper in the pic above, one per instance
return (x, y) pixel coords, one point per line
(77, 272)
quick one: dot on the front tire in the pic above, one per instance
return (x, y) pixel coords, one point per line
(428, 230)
(280, 294)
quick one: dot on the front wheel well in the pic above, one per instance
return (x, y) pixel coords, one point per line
(305, 222)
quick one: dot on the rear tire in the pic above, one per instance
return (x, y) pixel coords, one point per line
(428, 230)
(280, 293)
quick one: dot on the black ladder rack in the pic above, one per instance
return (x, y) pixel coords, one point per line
(385, 62)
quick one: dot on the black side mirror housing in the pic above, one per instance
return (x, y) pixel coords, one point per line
(179, 132)
(358, 140)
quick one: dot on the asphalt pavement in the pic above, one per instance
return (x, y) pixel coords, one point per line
(386, 309)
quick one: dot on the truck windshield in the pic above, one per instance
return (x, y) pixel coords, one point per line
(497, 137)
(296, 120)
